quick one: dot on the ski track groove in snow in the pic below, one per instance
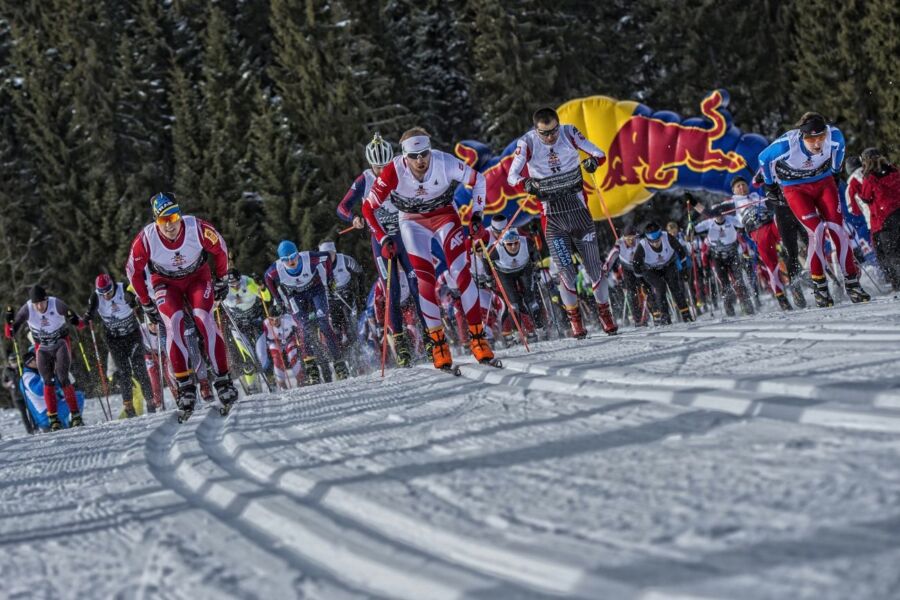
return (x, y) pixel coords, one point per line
(625, 467)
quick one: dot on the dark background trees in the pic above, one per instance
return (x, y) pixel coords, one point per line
(255, 112)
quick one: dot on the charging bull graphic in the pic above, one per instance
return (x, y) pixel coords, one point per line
(647, 151)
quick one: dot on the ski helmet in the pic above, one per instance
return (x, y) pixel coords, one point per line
(379, 152)
(287, 250)
(232, 277)
(164, 204)
(103, 283)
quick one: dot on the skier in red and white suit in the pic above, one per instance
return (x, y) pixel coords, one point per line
(174, 249)
(421, 184)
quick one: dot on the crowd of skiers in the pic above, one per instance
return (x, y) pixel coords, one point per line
(185, 319)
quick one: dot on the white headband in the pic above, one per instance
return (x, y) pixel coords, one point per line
(416, 144)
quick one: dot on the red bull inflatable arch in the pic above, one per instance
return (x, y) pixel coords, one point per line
(647, 151)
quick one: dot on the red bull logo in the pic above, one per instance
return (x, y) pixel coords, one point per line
(648, 152)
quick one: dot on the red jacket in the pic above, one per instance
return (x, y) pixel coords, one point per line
(882, 194)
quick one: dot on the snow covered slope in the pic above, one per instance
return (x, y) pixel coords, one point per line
(747, 458)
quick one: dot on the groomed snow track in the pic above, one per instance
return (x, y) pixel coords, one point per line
(747, 458)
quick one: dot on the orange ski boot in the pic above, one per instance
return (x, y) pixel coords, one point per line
(440, 349)
(479, 345)
(575, 321)
(606, 319)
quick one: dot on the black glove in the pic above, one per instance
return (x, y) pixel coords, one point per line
(220, 289)
(591, 163)
(531, 186)
(10, 315)
(475, 223)
(151, 311)
(73, 319)
(772, 192)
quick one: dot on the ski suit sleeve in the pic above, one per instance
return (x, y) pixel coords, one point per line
(385, 183)
(582, 143)
(93, 301)
(352, 198)
(520, 159)
(130, 299)
(611, 259)
(272, 282)
(854, 187)
(702, 226)
(838, 148)
(638, 260)
(777, 150)
(134, 268)
(21, 318)
(212, 242)
(471, 179)
(867, 191)
(322, 259)
(677, 247)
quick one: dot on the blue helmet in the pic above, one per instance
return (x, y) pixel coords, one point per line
(286, 249)
(511, 237)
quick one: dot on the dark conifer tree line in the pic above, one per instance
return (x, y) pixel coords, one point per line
(255, 112)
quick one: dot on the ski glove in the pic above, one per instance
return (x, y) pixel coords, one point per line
(221, 289)
(475, 224)
(531, 186)
(592, 163)
(771, 190)
(388, 250)
(10, 316)
(151, 311)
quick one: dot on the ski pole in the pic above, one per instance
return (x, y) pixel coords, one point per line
(18, 356)
(347, 230)
(512, 311)
(100, 372)
(603, 206)
(387, 314)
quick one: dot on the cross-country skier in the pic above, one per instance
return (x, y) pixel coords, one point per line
(35, 394)
(176, 249)
(758, 219)
(48, 319)
(343, 293)
(550, 151)
(295, 282)
(379, 154)
(654, 260)
(512, 258)
(623, 254)
(881, 192)
(244, 307)
(806, 161)
(280, 333)
(723, 234)
(421, 184)
(115, 306)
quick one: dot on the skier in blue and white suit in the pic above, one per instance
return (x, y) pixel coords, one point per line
(32, 387)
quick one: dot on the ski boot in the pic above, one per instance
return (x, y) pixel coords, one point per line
(313, 373)
(661, 318)
(479, 345)
(606, 319)
(341, 369)
(821, 293)
(226, 391)
(797, 295)
(185, 397)
(783, 301)
(578, 331)
(686, 315)
(401, 348)
(205, 391)
(55, 423)
(128, 406)
(747, 307)
(855, 291)
(75, 420)
(440, 349)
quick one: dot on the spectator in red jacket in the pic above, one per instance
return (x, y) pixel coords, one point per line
(881, 191)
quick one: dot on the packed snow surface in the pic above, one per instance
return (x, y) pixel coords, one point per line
(745, 458)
